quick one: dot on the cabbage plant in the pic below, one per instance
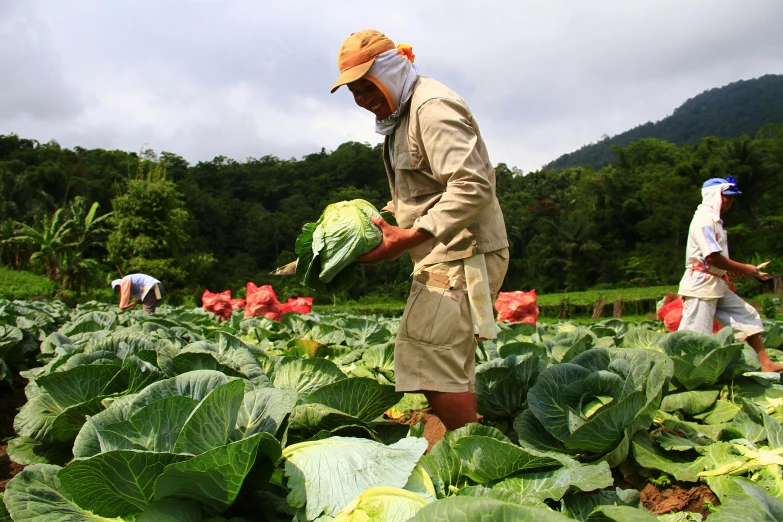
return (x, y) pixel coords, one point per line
(591, 406)
(193, 438)
(700, 360)
(22, 326)
(325, 248)
(324, 476)
(502, 384)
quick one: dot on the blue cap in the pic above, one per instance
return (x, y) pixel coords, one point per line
(731, 190)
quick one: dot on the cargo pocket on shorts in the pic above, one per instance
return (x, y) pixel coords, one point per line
(431, 315)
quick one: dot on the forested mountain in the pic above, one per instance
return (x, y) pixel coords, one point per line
(742, 107)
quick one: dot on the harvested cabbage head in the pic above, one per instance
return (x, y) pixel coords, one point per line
(342, 233)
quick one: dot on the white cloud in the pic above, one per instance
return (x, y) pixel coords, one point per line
(248, 78)
(32, 85)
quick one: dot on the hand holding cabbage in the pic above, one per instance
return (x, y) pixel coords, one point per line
(325, 248)
(396, 241)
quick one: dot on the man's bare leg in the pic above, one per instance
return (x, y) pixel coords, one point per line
(767, 365)
(454, 409)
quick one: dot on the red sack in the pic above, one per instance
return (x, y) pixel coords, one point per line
(671, 303)
(671, 314)
(517, 307)
(300, 305)
(218, 304)
(237, 304)
(673, 317)
(260, 301)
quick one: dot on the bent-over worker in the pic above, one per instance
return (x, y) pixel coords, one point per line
(148, 290)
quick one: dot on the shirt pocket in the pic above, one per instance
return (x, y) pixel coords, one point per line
(431, 316)
(414, 174)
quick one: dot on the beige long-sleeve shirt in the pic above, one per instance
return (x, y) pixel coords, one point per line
(441, 178)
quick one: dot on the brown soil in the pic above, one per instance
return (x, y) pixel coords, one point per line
(8, 469)
(433, 427)
(680, 496)
(11, 399)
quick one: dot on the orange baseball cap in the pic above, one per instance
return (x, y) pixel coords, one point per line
(358, 53)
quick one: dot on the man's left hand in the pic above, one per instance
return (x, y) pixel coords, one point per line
(396, 241)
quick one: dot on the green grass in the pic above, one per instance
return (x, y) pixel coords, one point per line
(758, 303)
(388, 309)
(588, 320)
(591, 296)
(18, 284)
(639, 302)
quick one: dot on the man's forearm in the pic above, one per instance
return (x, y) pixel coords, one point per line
(128, 306)
(125, 296)
(416, 237)
(724, 263)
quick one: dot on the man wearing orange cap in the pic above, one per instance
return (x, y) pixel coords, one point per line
(443, 198)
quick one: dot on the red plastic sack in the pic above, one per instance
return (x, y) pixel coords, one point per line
(671, 314)
(219, 304)
(300, 305)
(517, 307)
(260, 301)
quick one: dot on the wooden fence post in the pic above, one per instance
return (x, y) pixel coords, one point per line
(618, 307)
(598, 308)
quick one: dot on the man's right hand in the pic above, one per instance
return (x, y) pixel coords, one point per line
(753, 271)
(396, 241)
(749, 270)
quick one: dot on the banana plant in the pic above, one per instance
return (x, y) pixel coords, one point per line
(86, 231)
(49, 237)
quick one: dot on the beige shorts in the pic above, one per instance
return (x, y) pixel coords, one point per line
(435, 347)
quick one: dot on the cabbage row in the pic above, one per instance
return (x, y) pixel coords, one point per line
(182, 416)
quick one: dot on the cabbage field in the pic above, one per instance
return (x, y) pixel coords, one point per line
(182, 416)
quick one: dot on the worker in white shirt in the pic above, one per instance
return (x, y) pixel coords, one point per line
(147, 289)
(706, 288)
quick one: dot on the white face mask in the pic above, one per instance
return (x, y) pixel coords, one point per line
(397, 74)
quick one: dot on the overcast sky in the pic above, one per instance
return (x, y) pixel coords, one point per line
(203, 78)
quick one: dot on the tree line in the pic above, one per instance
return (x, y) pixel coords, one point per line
(82, 217)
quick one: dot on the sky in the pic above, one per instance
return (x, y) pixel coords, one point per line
(242, 79)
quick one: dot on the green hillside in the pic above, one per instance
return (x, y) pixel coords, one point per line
(742, 107)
